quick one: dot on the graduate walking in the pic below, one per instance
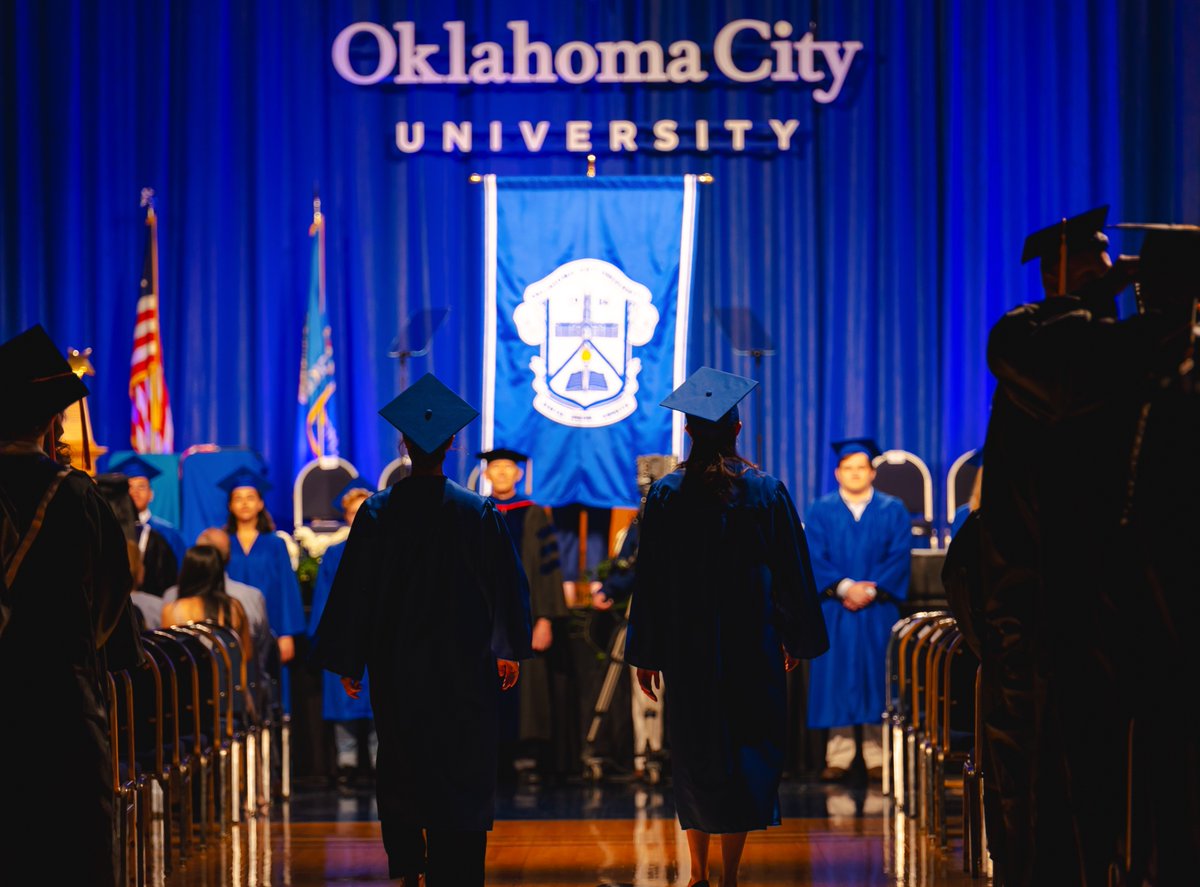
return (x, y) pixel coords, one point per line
(723, 603)
(431, 599)
(861, 541)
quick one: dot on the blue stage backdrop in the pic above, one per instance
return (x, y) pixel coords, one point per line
(872, 184)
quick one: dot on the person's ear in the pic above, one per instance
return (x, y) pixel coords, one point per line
(520, 473)
(737, 427)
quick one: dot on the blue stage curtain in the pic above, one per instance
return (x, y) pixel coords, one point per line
(878, 250)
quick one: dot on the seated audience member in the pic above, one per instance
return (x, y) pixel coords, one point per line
(202, 596)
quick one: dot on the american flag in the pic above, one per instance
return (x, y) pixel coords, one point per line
(151, 428)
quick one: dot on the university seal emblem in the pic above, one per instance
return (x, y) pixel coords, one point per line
(586, 317)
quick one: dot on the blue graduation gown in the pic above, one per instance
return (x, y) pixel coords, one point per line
(335, 705)
(847, 686)
(428, 594)
(719, 589)
(168, 531)
(269, 569)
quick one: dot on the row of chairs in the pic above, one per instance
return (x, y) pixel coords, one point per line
(906, 476)
(192, 734)
(931, 733)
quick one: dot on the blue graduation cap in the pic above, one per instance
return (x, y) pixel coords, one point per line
(852, 445)
(428, 413)
(357, 484)
(710, 395)
(244, 477)
(135, 466)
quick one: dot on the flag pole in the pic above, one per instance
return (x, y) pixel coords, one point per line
(318, 227)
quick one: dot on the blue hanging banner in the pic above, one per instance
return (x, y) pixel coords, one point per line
(587, 285)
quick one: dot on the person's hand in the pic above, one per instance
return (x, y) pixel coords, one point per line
(601, 601)
(859, 595)
(789, 661)
(649, 681)
(543, 635)
(352, 687)
(287, 649)
(509, 672)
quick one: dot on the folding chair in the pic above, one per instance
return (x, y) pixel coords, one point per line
(316, 486)
(209, 726)
(974, 822)
(960, 481)
(914, 731)
(176, 762)
(400, 468)
(195, 747)
(154, 781)
(905, 475)
(927, 748)
(900, 696)
(957, 732)
(125, 789)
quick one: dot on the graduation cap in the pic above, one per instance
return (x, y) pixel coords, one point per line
(1078, 234)
(135, 466)
(710, 396)
(37, 379)
(1170, 256)
(852, 445)
(357, 484)
(244, 477)
(428, 413)
(502, 453)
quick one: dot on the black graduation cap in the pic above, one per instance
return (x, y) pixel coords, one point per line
(852, 445)
(503, 453)
(244, 477)
(37, 379)
(710, 395)
(1170, 256)
(357, 484)
(135, 466)
(1079, 234)
(428, 413)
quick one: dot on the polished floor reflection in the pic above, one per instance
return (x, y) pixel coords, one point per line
(606, 835)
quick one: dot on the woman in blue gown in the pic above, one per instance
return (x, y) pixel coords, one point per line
(260, 558)
(723, 603)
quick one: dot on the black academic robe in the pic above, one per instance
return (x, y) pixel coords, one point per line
(70, 596)
(537, 545)
(720, 588)
(428, 595)
(159, 563)
(1063, 423)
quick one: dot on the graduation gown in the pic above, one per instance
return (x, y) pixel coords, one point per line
(537, 544)
(847, 686)
(428, 594)
(70, 596)
(268, 568)
(719, 588)
(335, 704)
(168, 531)
(158, 561)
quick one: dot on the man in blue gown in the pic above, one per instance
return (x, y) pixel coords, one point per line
(431, 599)
(350, 717)
(861, 541)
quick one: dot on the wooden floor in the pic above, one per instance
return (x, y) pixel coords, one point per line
(830, 852)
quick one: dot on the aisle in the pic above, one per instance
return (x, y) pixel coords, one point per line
(582, 837)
